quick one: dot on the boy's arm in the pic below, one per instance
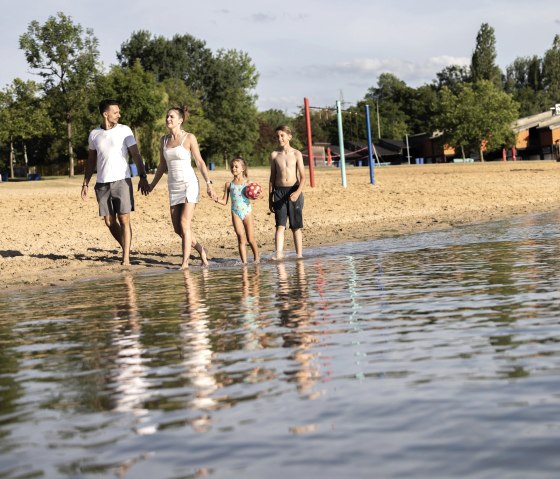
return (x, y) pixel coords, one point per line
(300, 168)
(271, 181)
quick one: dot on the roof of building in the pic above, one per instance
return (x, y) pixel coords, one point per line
(547, 119)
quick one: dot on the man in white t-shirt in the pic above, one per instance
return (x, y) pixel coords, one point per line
(109, 147)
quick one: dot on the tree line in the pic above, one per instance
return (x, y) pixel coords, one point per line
(47, 121)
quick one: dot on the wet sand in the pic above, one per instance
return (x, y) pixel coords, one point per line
(49, 236)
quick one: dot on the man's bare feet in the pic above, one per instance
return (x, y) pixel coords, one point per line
(184, 266)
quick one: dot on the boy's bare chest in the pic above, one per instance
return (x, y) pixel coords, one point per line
(285, 161)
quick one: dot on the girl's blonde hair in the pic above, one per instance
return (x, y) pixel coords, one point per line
(243, 162)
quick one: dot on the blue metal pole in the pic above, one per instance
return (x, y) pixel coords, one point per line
(370, 154)
(341, 143)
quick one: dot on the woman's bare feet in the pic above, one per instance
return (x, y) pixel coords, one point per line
(202, 252)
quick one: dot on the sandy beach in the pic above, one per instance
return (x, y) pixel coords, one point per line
(49, 236)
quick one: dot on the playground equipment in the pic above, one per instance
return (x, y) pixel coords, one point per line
(342, 162)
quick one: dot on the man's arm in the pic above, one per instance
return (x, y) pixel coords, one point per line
(137, 158)
(90, 167)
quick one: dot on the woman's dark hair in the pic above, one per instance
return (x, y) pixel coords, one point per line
(183, 111)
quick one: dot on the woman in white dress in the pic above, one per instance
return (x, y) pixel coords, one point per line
(177, 149)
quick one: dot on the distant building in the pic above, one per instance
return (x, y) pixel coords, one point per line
(537, 134)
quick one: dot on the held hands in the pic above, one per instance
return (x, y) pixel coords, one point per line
(144, 187)
(211, 193)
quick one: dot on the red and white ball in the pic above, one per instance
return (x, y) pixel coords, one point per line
(253, 190)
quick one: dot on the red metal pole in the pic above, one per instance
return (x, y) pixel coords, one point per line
(504, 154)
(329, 156)
(309, 143)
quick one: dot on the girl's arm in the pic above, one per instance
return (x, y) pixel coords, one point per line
(225, 197)
(162, 167)
(195, 150)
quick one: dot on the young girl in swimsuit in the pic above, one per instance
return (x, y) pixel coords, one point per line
(241, 216)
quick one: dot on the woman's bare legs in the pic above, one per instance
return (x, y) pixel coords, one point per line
(181, 217)
(176, 213)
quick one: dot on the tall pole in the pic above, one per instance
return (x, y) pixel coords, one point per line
(369, 147)
(378, 120)
(341, 143)
(407, 149)
(309, 143)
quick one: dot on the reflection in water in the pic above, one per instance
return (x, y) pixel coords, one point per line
(296, 313)
(197, 349)
(132, 386)
(250, 307)
(452, 335)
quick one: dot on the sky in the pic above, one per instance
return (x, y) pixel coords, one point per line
(325, 50)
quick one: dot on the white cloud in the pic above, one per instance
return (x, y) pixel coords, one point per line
(263, 17)
(369, 68)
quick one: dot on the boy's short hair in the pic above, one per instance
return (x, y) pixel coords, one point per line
(105, 104)
(284, 128)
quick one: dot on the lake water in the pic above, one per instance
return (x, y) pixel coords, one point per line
(432, 355)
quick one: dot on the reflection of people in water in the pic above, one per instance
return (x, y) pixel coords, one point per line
(197, 351)
(254, 338)
(296, 315)
(250, 307)
(131, 384)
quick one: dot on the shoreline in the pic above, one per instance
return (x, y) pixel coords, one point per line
(51, 237)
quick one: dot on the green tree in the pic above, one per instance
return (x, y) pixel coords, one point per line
(390, 98)
(177, 94)
(231, 105)
(452, 76)
(524, 80)
(23, 116)
(551, 72)
(184, 57)
(66, 57)
(483, 61)
(180, 95)
(267, 121)
(478, 115)
(142, 99)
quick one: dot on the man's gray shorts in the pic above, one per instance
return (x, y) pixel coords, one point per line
(115, 198)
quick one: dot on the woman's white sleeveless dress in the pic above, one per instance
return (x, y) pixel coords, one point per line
(182, 181)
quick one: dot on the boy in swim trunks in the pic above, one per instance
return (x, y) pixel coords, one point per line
(285, 199)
